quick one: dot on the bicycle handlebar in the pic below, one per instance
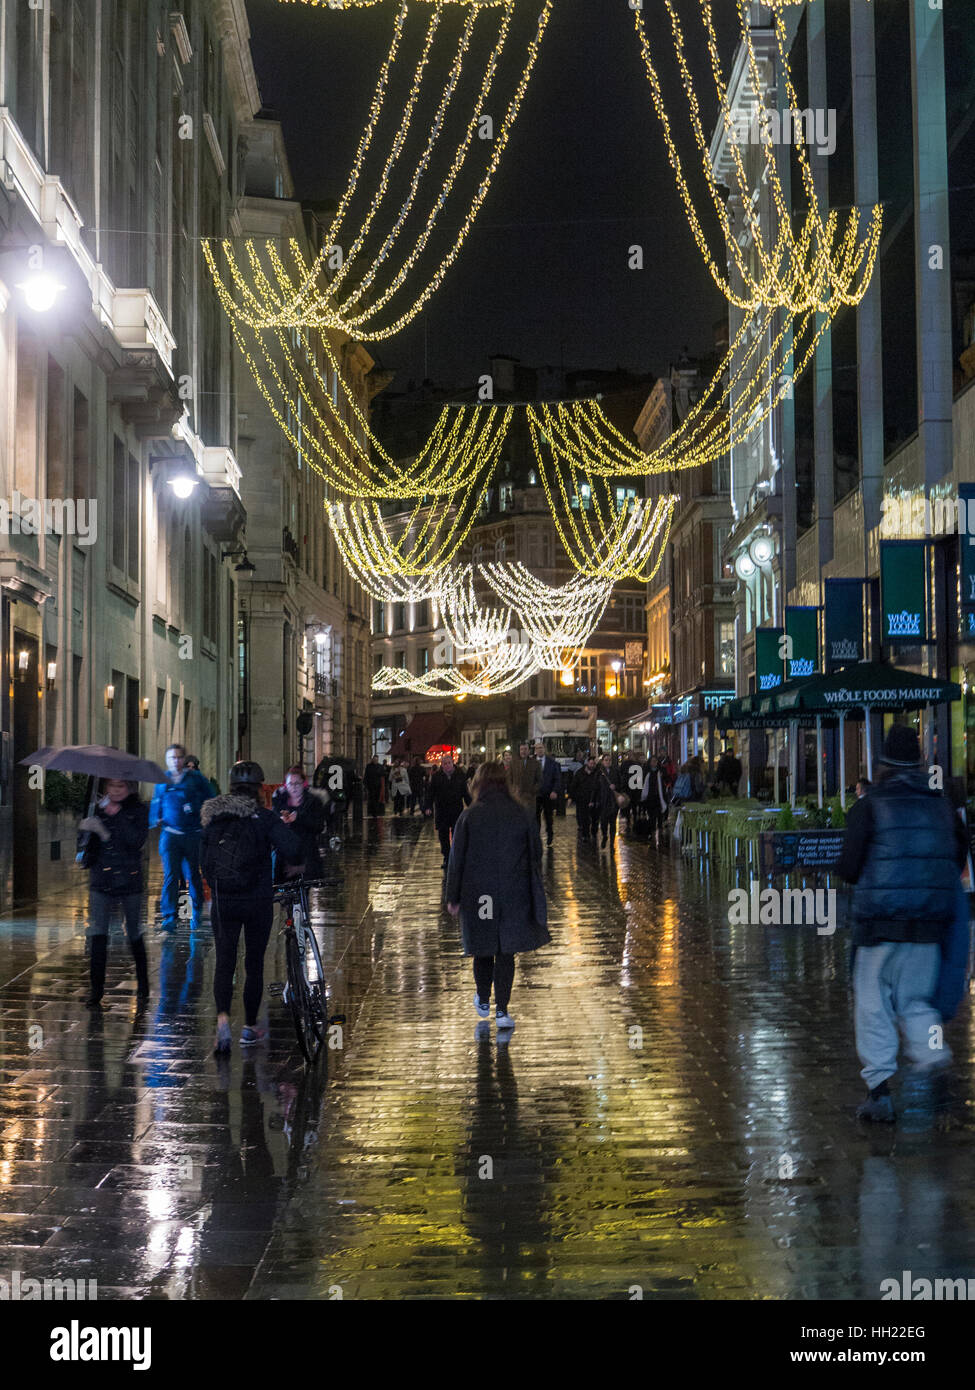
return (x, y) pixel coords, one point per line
(294, 886)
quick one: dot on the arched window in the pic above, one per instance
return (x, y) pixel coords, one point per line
(500, 549)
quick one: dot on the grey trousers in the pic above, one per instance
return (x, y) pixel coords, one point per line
(892, 984)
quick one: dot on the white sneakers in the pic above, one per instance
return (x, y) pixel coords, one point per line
(502, 1018)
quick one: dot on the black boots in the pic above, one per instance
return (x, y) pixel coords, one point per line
(99, 958)
(138, 949)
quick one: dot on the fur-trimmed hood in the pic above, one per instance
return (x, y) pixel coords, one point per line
(228, 805)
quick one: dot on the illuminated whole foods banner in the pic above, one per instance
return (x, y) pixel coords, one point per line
(903, 586)
(843, 623)
(768, 657)
(802, 648)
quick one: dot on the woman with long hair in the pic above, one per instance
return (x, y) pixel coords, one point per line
(494, 884)
(110, 847)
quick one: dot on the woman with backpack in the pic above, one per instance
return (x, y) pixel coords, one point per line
(303, 809)
(239, 835)
(494, 884)
(110, 845)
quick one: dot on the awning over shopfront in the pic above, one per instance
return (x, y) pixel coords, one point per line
(425, 731)
(869, 685)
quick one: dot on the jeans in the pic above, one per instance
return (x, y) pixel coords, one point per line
(584, 818)
(180, 855)
(892, 984)
(100, 907)
(499, 970)
(229, 917)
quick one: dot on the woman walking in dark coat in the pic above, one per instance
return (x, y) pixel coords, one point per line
(604, 806)
(110, 846)
(494, 883)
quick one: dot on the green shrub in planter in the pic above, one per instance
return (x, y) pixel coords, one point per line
(785, 820)
(66, 792)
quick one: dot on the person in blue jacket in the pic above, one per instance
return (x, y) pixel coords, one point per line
(176, 805)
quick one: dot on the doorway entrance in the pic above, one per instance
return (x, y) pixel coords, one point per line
(26, 723)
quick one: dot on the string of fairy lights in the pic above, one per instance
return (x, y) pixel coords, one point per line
(339, 289)
(292, 315)
(800, 271)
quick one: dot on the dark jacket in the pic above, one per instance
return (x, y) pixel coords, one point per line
(551, 778)
(603, 799)
(276, 836)
(903, 850)
(176, 805)
(582, 786)
(494, 874)
(307, 826)
(728, 771)
(115, 864)
(418, 780)
(447, 796)
(374, 781)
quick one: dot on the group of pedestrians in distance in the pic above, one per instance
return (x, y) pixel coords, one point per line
(903, 853)
(402, 784)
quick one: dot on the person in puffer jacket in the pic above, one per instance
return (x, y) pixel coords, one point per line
(903, 850)
(110, 845)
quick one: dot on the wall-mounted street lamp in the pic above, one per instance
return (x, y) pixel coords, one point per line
(243, 565)
(109, 696)
(762, 549)
(52, 674)
(23, 661)
(145, 707)
(40, 291)
(183, 483)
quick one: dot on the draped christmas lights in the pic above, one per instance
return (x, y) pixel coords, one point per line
(800, 272)
(339, 289)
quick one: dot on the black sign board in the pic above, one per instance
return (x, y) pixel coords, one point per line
(843, 623)
(801, 851)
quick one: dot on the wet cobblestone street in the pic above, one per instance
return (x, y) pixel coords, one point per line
(673, 1113)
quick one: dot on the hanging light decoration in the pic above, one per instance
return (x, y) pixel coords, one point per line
(340, 289)
(802, 271)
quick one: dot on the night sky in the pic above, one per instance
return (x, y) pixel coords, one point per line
(543, 276)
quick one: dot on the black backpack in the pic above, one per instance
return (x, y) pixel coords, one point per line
(236, 854)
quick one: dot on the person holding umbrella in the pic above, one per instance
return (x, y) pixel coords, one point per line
(110, 843)
(176, 805)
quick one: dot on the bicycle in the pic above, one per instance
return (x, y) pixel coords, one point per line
(305, 993)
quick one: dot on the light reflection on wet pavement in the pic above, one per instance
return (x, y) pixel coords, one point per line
(673, 1113)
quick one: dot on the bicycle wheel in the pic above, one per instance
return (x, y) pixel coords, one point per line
(299, 998)
(317, 989)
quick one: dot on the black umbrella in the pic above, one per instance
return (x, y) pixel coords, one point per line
(96, 760)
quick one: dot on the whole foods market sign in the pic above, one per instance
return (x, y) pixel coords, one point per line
(768, 657)
(903, 589)
(802, 642)
(843, 622)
